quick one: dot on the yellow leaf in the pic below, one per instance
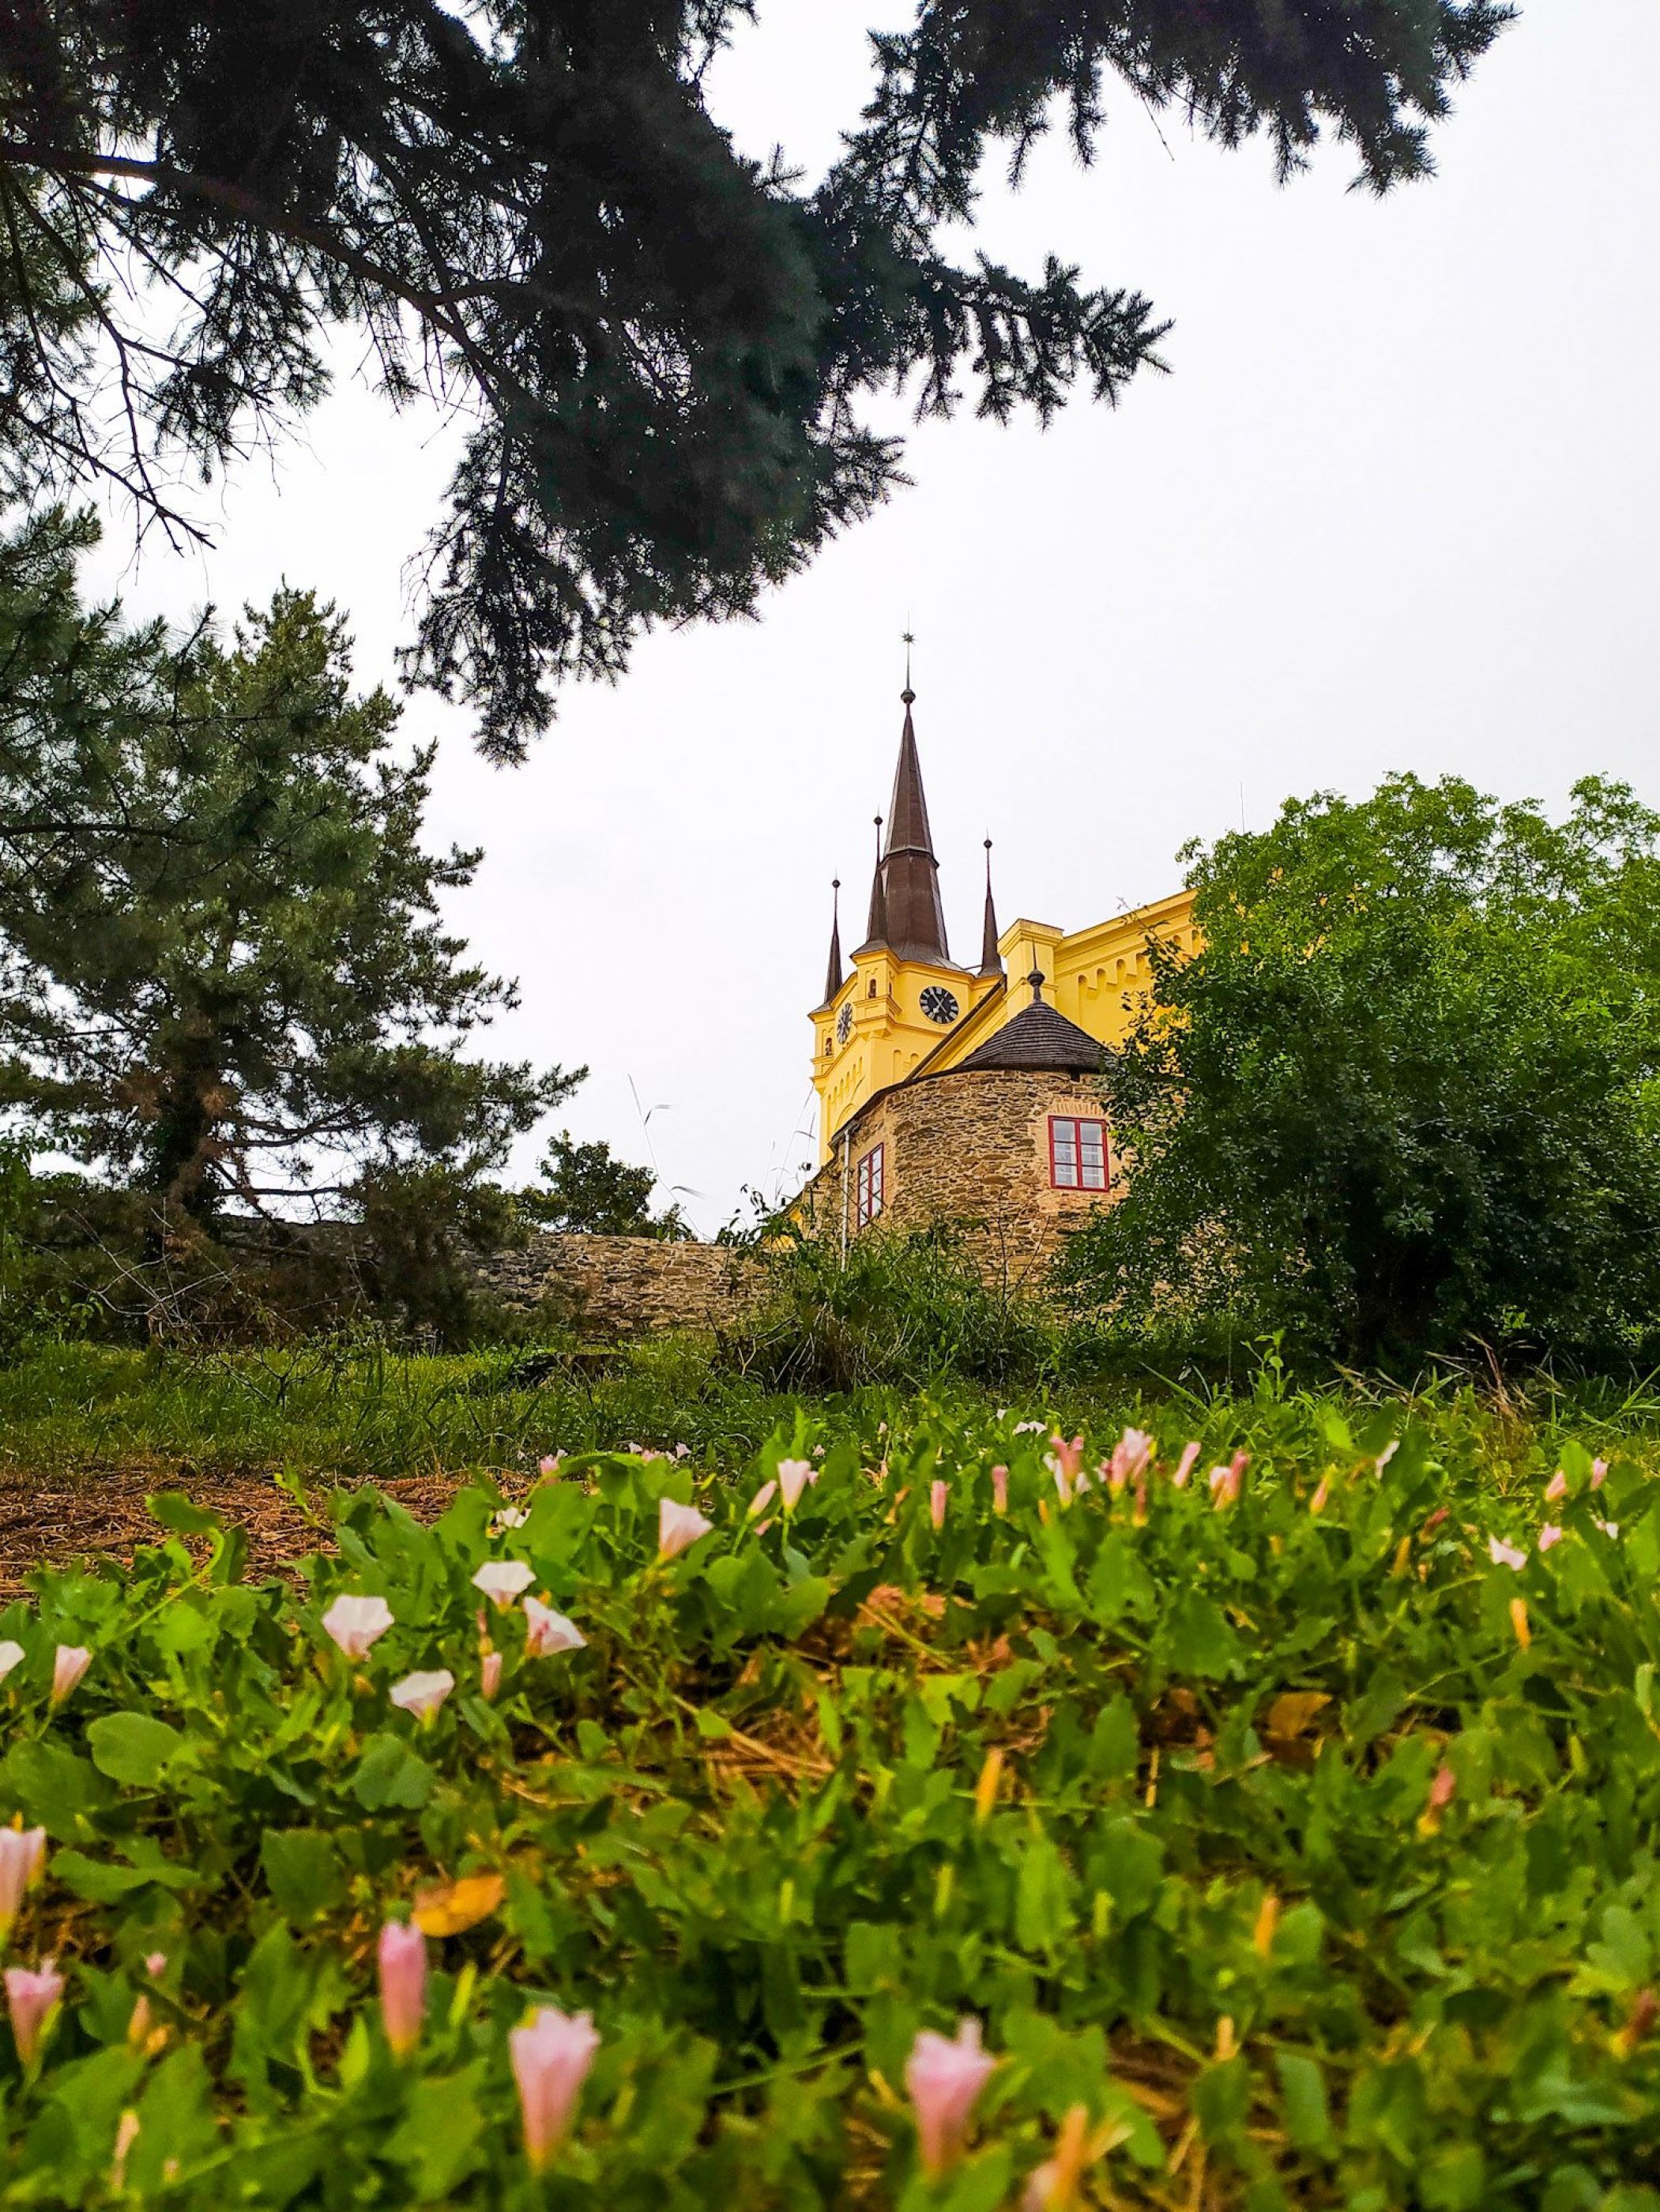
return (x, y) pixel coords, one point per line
(455, 1905)
(1292, 1711)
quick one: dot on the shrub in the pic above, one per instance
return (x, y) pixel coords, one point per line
(1403, 1097)
(904, 1310)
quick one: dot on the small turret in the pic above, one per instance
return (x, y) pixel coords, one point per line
(991, 960)
(833, 973)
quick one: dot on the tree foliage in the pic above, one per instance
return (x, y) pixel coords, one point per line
(665, 352)
(1406, 1093)
(585, 1189)
(222, 972)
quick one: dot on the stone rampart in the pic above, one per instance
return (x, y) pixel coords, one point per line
(623, 1286)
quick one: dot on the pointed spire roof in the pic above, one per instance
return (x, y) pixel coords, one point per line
(876, 926)
(1040, 1038)
(833, 973)
(911, 921)
(991, 960)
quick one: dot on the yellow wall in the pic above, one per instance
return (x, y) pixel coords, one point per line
(1094, 977)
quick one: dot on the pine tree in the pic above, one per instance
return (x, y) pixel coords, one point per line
(525, 204)
(222, 974)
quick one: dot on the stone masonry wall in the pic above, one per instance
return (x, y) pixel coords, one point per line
(623, 1286)
(970, 1148)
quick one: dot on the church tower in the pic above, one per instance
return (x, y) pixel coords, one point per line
(903, 992)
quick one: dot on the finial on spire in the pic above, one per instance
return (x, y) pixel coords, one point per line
(908, 695)
(1036, 978)
(991, 960)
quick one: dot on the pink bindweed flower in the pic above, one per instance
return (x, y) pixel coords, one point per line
(1185, 1465)
(156, 1964)
(546, 1631)
(510, 1517)
(354, 1622)
(490, 1676)
(1505, 1555)
(1557, 1487)
(1549, 1535)
(1599, 1473)
(548, 1466)
(945, 2078)
(552, 2054)
(22, 1861)
(11, 1655)
(1070, 1456)
(503, 1580)
(401, 1956)
(1321, 1496)
(422, 1694)
(1129, 1456)
(679, 1527)
(1028, 1428)
(69, 1663)
(937, 1503)
(1443, 1788)
(1225, 1483)
(762, 1499)
(126, 2134)
(794, 1476)
(31, 1999)
(1386, 1455)
(1000, 1489)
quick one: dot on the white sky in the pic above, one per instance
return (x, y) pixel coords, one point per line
(1398, 507)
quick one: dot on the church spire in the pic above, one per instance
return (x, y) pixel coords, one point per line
(912, 921)
(991, 960)
(876, 928)
(833, 973)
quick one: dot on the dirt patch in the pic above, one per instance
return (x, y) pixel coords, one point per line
(47, 1521)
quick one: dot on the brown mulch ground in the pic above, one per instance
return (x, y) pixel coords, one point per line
(50, 1519)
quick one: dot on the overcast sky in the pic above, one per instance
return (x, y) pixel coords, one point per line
(1397, 506)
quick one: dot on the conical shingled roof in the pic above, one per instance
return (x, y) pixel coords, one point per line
(1040, 1038)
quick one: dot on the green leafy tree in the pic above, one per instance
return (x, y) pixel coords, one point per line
(1406, 1095)
(586, 1188)
(666, 351)
(222, 974)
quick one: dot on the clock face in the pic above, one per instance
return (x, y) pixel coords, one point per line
(939, 1005)
(844, 1025)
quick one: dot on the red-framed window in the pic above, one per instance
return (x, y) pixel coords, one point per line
(1077, 1153)
(868, 1190)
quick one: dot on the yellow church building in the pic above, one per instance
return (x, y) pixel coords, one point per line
(949, 1093)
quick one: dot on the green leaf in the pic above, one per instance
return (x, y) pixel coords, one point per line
(176, 1511)
(303, 1872)
(391, 1774)
(132, 1747)
(1201, 1644)
(1303, 2100)
(437, 2139)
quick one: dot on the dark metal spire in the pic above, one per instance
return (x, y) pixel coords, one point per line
(876, 929)
(991, 960)
(833, 973)
(913, 918)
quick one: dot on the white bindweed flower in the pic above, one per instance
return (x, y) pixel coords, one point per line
(503, 1580)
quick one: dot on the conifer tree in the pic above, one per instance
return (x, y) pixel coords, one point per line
(223, 976)
(666, 351)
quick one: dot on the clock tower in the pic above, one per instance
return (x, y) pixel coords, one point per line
(903, 992)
